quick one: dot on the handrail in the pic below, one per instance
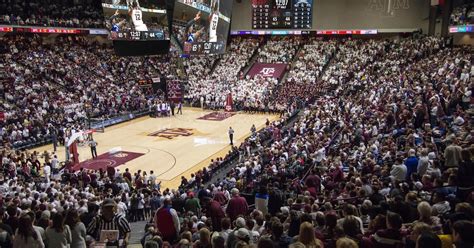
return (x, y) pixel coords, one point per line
(330, 143)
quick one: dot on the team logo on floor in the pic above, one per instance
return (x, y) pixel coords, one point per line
(120, 155)
(171, 133)
(216, 116)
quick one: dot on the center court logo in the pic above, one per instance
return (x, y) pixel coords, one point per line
(171, 133)
(267, 71)
(120, 155)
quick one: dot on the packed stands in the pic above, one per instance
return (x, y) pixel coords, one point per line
(380, 157)
(52, 13)
(463, 14)
(279, 50)
(57, 87)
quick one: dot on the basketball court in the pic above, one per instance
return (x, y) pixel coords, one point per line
(170, 146)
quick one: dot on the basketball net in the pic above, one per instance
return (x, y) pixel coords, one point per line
(79, 138)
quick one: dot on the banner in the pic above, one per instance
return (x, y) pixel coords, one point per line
(117, 119)
(268, 70)
(229, 104)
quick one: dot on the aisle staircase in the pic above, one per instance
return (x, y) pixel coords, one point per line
(254, 57)
(215, 64)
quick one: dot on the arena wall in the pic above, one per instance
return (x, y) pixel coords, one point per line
(353, 14)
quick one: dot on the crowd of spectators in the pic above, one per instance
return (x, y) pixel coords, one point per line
(463, 15)
(305, 72)
(50, 88)
(311, 60)
(231, 64)
(383, 158)
(210, 89)
(279, 49)
(52, 13)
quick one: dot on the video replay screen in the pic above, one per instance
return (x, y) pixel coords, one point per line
(136, 20)
(201, 27)
(282, 14)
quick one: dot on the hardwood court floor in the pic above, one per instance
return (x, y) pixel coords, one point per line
(172, 155)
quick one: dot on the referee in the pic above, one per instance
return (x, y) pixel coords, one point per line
(231, 136)
(110, 220)
(93, 144)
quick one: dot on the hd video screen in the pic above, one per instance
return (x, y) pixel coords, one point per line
(282, 14)
(136, 20)
(201, 27)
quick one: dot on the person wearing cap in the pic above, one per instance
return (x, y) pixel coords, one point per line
(167, 222)
(108, 219)
(192, 204)
(237, 205)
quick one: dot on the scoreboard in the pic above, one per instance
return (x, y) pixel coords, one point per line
(282, 14)
(137, 35)
(197, 48)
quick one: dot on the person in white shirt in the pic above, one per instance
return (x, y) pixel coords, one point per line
(47, 172)
(423, 162)
(214, 21)
(398, 171)
(441, 206)
(54, 163)
(152, 178)
(121, 207)
(136, 14)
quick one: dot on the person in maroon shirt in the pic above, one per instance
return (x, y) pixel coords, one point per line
(219, 196)
(390, 237)
(313, 183)
(215, 212)
(336, 174)
(237, 205)
(86, 179)
(127, 175)
(111, 172)
(12, 220)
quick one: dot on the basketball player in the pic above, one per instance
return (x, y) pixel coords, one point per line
(118, 2)
(115, 25)
(136, 14)
(190, 35)
(213, 20)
